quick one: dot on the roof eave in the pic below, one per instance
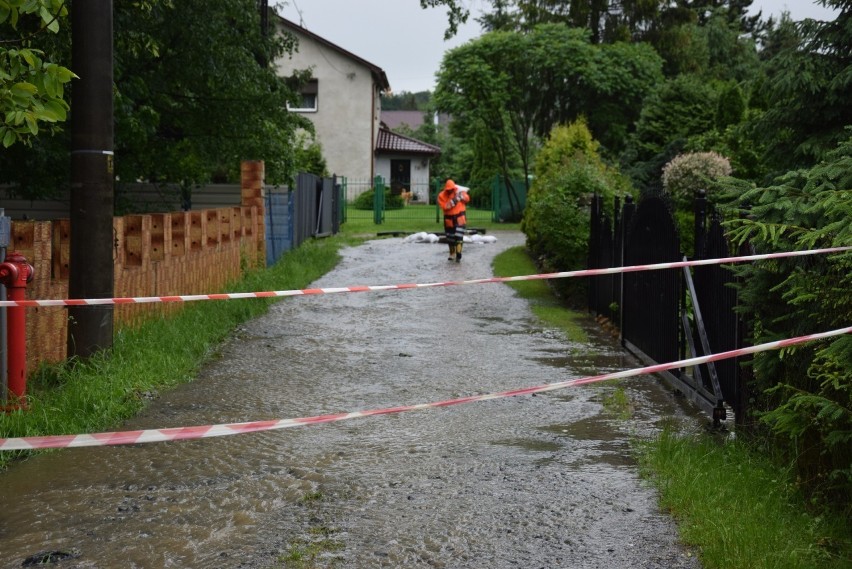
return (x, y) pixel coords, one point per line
(379, 76)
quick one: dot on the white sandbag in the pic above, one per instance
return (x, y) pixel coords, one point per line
(416, 237)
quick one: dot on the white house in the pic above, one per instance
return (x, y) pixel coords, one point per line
(343, 101)
(404, 162)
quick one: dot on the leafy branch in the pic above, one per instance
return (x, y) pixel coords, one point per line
(31, 88)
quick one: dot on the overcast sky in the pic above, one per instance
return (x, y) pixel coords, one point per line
(408, 42)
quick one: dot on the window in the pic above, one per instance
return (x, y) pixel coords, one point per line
(309, 92)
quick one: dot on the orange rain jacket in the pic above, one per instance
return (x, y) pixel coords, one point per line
(454, 215)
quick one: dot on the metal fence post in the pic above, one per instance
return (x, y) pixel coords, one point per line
(700, 212)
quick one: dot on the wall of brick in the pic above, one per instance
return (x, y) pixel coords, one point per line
(164, 254)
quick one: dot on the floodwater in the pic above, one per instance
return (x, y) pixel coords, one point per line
(531, 481)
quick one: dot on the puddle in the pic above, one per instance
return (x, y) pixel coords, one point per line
(592, 429)
(530, 445)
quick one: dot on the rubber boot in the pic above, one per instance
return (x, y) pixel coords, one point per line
(458, 252)
(452, 251)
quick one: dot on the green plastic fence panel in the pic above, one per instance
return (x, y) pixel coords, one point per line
(378, 200)
(508, 204)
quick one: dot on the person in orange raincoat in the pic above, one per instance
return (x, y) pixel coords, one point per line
(452, 200)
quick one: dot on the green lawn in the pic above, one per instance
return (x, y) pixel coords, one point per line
(414, 218)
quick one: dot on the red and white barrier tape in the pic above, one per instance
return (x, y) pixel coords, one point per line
(375, 288)
(207, 431)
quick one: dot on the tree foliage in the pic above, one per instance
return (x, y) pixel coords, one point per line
(607, 22)
(808, 87)
(407, 101)
(517, 86)
(457, 14)
(667, 26)
(196, 92)
(679, 108)
(196, 95)
(480, 98)
(734, 134)
(32, 87)
(731, 107)
(773, 96)
(804, 394)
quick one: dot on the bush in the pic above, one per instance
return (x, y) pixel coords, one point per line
(689, 172)
(308, 156)
(685, 174)
(557, 227)
(392, 201)
(564, 145)
(568, 172)
(365, 201)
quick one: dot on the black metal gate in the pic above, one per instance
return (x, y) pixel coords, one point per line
(723, 326)
(605, 251)
(671, 314)
(651, 299)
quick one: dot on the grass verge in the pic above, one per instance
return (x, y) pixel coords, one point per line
(739, 509)
(547, 308)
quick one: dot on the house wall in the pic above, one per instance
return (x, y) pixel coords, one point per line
(348, 106)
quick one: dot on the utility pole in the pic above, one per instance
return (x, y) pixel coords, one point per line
(90, 328)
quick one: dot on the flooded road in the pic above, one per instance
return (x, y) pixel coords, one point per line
(530, 481)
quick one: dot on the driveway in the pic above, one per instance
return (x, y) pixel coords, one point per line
(544, 480)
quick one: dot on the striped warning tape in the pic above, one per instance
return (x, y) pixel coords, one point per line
(208, 431)
(375, 288)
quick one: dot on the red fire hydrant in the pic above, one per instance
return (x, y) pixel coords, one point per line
(15, 273)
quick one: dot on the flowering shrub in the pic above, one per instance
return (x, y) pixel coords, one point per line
(693, 171)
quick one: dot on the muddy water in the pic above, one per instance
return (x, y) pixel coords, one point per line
(532, 481)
